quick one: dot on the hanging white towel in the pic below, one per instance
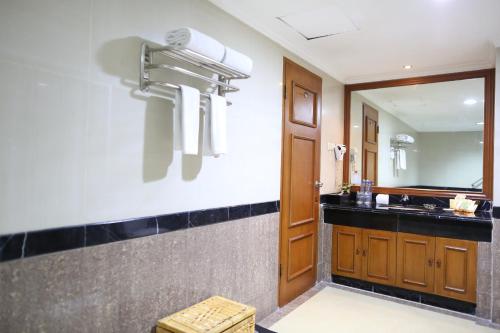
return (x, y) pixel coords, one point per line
(196, 41)
(238, 61)
(402, 159)
(190, 119)
(218, 130)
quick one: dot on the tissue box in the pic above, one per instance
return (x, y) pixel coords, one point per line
(382, 199)
(463, 205)
(214, 315)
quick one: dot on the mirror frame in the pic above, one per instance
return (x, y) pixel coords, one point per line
(489, 100)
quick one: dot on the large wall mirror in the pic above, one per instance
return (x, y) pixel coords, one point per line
(422, 136)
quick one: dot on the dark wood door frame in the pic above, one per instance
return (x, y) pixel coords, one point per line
(489, 118)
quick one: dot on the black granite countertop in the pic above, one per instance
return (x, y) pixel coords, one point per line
(439, 213)
(438, 222)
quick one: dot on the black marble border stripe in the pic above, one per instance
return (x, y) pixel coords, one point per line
(410, 295)
(32, 243)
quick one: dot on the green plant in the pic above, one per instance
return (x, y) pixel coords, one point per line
(346, 188)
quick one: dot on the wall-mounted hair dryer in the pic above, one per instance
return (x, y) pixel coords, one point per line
(340, 150)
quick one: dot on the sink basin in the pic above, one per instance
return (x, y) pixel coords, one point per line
(407, 208)
(410, 207)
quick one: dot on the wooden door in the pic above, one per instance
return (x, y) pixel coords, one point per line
(379, 256)
(415, 264)
(346, 251)
(370, 144)
(456, 262)
(299, 181)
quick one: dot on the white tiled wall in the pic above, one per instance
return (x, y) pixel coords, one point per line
(79, 143)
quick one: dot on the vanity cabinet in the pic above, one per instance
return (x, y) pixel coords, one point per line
(428, 264)
(456, 264)
(364, 254)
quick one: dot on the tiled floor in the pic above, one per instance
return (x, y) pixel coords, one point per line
(328, 308)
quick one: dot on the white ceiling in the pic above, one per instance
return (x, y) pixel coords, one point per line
(434, 36)
(435, 107)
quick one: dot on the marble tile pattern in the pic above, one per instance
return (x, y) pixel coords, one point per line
(495, 273)
(34, 243)
(484, 278)
(126, 286)
(324, 250)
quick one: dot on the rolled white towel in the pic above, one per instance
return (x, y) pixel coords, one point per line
(238, 61)
(196, 41)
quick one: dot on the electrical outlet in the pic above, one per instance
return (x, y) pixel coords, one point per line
(331, 146)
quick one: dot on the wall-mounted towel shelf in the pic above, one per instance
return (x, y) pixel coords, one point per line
(224, 73)
(396, 144)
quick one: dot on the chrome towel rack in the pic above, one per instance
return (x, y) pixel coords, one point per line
(224, 73)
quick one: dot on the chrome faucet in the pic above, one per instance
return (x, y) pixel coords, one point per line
(404, 199)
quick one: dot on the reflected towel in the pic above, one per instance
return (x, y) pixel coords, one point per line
(190, 119)
(238, 61)
(402, 159)
(188, 38)
(218, 130)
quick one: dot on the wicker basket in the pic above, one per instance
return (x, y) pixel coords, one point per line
(214, 315)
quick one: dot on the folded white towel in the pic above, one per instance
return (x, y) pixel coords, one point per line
(218, 130)
(238, 61)
(196, 41)
(402, 159)
(190, 119)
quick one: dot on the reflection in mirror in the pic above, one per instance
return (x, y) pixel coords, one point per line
(419, 136)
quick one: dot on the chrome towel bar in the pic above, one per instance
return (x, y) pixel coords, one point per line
(223, 72)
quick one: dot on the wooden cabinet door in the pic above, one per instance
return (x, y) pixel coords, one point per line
(415, 264)
(299, 181)
(346, 251)
(456, 262)
(379, 257)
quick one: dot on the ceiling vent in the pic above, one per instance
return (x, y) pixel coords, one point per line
(319, 22)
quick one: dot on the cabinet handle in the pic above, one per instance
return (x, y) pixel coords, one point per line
(357, 252)
(430, 261)
(364, 253)
(438, 263)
